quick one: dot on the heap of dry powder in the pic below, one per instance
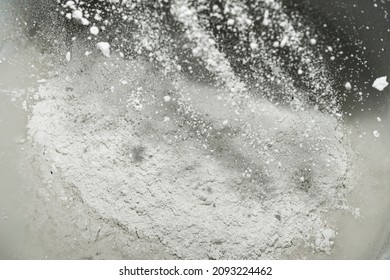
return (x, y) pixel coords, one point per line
(179, 169)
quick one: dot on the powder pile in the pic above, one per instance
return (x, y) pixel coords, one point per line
(190, 183)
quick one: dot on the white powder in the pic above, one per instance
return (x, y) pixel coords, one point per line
(254, 46)
(266, 20)
(205, 172)
(68, 56)
(380, 83)
(230, 21)
(198, 194)
(94, 30)
(98, 17)
(84, 21)
(104, 47)
(77, 14)
(69, 4)
(376, 133)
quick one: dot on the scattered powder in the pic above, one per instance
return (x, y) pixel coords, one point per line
(198, 194)
(206, 171)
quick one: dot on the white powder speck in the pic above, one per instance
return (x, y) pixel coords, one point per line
(376, 133)
(254, 46)
(380, 83)
(266, 20)
(77, 14)
(328, 234)
(69, 3)
(230, 21)
(94, 30)
(378, 119)
(196, 51)
(348, 86)
(98, 17)
(68, 56)
(313, 41)
(104, 47)
(84, 21)
(167, 98)
(284, 41)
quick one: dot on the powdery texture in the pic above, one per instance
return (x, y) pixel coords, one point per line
(147, 166)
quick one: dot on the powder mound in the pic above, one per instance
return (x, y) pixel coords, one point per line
(198, 184)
